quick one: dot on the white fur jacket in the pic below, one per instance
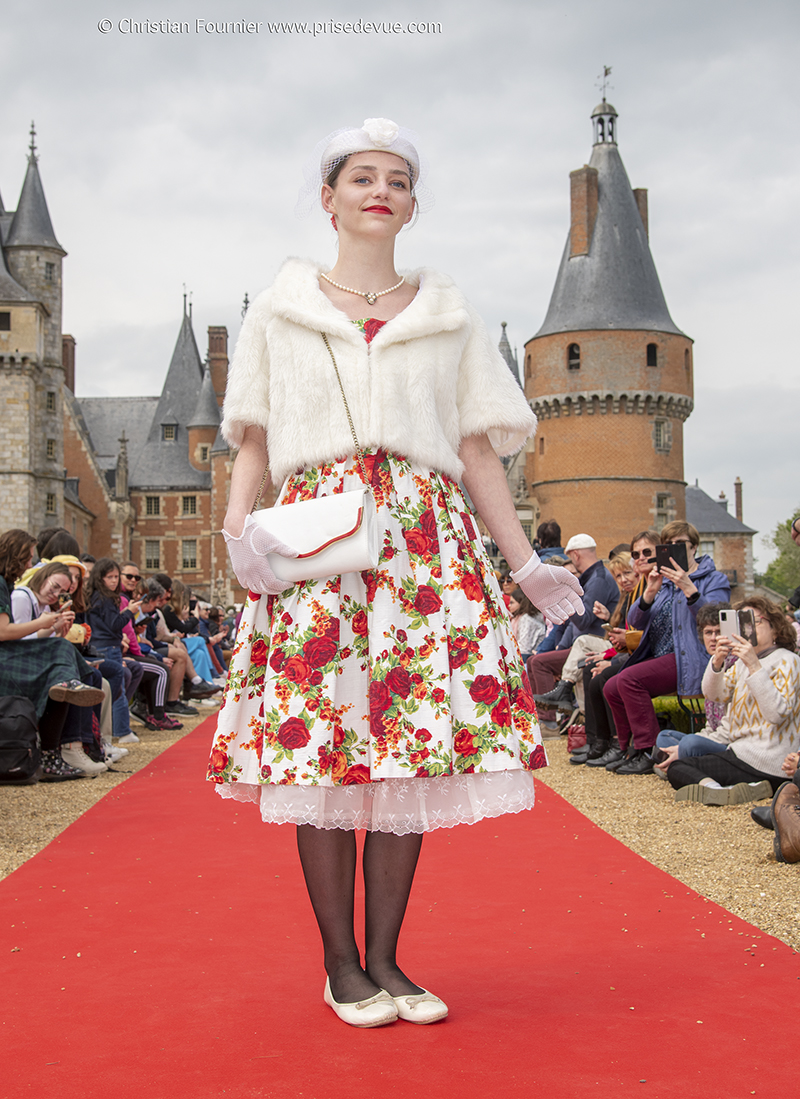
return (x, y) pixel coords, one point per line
(429, 378)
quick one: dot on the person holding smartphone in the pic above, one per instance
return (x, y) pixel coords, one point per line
(669, 656)
(762, 721)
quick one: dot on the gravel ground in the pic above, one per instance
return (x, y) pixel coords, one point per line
(720, 852)
(32, 816)
(717, 850)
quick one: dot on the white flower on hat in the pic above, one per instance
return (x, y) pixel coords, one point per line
(380, 131)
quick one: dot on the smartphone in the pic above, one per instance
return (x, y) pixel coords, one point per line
(672, 551)
(740, 622)
(64, 601)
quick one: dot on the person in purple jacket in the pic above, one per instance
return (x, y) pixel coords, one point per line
(670, 656)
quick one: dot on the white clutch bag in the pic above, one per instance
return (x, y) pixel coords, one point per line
(332, 534)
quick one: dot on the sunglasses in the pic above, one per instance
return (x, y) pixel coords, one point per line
(648, 555)
(131, 575)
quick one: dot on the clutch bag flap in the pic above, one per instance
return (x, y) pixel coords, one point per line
(332, 534)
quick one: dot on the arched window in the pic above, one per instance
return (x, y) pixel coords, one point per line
(573, 357)
(541, 444)
(686, 360)
(652, 354)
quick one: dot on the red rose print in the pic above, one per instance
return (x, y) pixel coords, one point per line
(422, 772)
(458, 651)
(380, 697)
(437, 694)
(219, 761)
(359, 623)
(537, 758)
(427, 522)
(524, 700)
(399, 682)
(466, 519)
(315, 679)
(376, 726)
(372, 327)
(286, 618)
(293, 733)
(418, 757)
(471, 586)
(338, 736)
(501, 713)
(469, 770)
(266, 771)
(356, 775)
(277, 660)
(296, 670)
(417, 541)
(254, 596)
(259, 653)
(481, 631)
(464, 743)
(402, 636)
(319, 651)
(427, 601)
(423, 735)
(485, 688)
(332, 629)
(338, 765)
(371, 585)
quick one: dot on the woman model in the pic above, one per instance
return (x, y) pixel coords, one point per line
(392, 700)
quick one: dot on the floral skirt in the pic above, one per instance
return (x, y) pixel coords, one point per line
(394, 700)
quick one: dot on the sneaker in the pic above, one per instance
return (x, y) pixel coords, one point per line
(220, 680)
(162, 723)
(138, 707)
(209, 702)
(74, 755)
(203, 689)
(114, 755)
(129, 738)
(562, 697)
(180, 708)
(54, 769)
(76, 693)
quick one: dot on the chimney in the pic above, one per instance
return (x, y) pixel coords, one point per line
(218, 359)
(737, 488)
(583, 209)
(723, 501)
(640, 194)
(68, 361)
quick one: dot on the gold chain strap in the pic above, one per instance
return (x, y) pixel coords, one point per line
(359, 454)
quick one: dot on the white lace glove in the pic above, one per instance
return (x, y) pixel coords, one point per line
(552, 589)
(248, 554)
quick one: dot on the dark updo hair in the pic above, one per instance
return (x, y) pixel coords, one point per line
(62, 544)
(785, 637)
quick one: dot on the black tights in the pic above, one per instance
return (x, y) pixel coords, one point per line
(328, 858)
(51, 725)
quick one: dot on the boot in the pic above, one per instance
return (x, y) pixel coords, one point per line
(562, 697)
(786, 821)
(639, 762)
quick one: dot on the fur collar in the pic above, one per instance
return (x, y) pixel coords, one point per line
(438, 307)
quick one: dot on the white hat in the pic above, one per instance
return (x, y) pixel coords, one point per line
(376, 134)
(579, 542)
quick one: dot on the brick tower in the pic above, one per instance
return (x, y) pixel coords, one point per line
(608, 374)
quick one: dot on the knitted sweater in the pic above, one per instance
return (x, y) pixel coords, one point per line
(762, 722)
(429, 378)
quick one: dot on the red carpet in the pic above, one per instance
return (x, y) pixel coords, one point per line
(163, 947)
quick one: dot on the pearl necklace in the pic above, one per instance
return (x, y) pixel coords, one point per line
(371, 295)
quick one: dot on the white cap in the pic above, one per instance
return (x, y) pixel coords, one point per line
(579, 542)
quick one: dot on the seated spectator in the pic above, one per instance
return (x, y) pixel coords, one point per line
(196, 686)
(676, 745)
(215, 635)
(669, 656)
(603, 751)
(50, 673)
(184, 628)
(548, 535)
(599, 586)
(107, 619)
(762, 721)
(527, 623)
(568, 692)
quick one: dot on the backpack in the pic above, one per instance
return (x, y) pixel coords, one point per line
(20, 748)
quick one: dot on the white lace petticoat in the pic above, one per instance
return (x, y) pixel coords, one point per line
(399, 805)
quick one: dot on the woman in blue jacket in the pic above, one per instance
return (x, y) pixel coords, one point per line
(670, 656)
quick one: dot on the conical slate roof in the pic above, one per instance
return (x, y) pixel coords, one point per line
(616, 285)
(504, 347)
(31, 226)
(206, 412)
(10, 289)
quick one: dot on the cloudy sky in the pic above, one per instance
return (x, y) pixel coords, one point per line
(175, 158)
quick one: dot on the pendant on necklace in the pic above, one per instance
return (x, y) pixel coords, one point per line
(371, 298)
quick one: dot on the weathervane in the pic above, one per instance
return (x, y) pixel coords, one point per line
(245, 304)
(32, 146)
(602, 81)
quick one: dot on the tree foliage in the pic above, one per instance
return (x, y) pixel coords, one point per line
(783, 574)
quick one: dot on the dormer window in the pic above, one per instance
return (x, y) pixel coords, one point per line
(169, 432)
(49, 272)
(652, 354)
(573, 357)
(203, 453)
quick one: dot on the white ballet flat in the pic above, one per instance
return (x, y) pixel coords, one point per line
(422, 1008)
(378, 1010)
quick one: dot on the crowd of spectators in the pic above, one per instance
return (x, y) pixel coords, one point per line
(651, 645)
(94, 645)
